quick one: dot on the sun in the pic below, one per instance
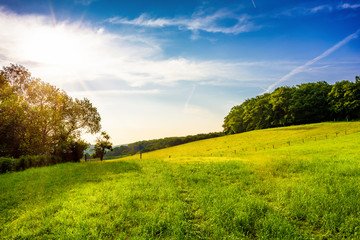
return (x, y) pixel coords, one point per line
(53, 46)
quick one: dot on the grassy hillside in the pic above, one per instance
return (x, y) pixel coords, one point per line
(256, 142)
(299, 182)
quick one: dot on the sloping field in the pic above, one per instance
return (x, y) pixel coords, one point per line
(255, 142)
(300, 182)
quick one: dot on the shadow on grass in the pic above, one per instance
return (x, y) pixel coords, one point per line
(95, 171)
(122, 166)
(47, 183)
(294, 128)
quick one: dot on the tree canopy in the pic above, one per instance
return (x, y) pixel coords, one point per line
(301, 104)
(38, 118)
(102, 144)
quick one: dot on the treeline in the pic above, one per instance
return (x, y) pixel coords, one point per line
(152, 145)
(305, 103)
(37, 118)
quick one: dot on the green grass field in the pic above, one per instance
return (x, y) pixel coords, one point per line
(300, 182)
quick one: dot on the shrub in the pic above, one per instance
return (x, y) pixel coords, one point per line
(22, 163)
(34, 161)
(25, 162)
(43, 160)
(54, 160)
(6, 164)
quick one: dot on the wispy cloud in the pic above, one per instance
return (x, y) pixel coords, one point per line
(85, 2)
(325, 8)
(321, 8)
(253, 2)
(300, 11)
(72, 51)
(348, 6)
(186, 106)
(304, 67)
(197, 22)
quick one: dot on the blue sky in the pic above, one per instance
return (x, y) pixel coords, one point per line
(171, 68)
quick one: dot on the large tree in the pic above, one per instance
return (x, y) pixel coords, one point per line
(38, 118)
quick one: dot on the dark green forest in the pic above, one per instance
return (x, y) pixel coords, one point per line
(38, 119)
(301, 104)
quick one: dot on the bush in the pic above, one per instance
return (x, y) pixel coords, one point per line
(25, 162)
(54, 160)
(43, 160)
(22, 163)
(6, 164)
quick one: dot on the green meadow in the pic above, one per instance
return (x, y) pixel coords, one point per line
(299, 182)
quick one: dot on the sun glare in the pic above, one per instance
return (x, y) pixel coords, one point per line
(53, 46)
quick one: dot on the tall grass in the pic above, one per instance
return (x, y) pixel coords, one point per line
(306, 190)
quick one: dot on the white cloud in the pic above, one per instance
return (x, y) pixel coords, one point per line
(72, 51)
(198, 21)
(348, 6)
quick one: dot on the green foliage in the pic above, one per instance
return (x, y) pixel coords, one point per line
(305, 103)
(309, 103)
(39, 119)
(73, 151)
(25, 162)
(344, 100)
(6, 164)
(102, 144)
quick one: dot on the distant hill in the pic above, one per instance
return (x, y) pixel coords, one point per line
(152, 145)
(90, 150)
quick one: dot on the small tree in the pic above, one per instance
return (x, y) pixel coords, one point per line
(102, 144)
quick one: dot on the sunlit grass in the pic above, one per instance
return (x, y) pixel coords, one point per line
(267, 189)
(244, 145)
